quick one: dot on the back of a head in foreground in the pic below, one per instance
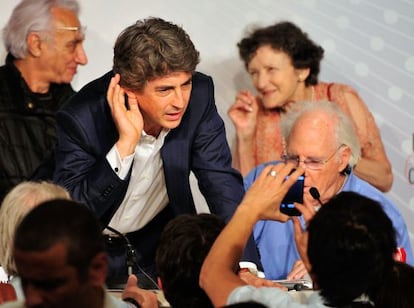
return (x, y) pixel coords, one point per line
(58, 221)
(20, 200)
(397, 290)
(350, 248)
(183, 246)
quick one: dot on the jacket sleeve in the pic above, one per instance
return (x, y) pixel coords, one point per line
(85, 134)
(220, 184)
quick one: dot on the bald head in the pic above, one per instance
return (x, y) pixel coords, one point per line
(323, 123)
(321, 138)
(316, 125)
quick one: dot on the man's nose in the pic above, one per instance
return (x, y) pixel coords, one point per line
(180, 99)
(302, 164)
(81, 57)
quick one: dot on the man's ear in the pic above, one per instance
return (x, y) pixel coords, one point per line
(98, 269)
(130, 94)
(34, 43)
(345, 156)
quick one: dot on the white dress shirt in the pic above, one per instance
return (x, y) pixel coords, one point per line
(146, 195)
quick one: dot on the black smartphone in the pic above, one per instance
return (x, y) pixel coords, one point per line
(295, 194)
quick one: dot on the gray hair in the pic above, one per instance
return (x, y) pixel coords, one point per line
(17, 203)
(31, 16)
(344, 130)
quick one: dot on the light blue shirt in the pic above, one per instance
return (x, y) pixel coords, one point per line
(275, 241)
(271, 297)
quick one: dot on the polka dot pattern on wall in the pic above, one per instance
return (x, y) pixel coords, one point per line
(362, 69)
(395, 93)
(390, 17)
(343, 22)
(377, 43)
(407, 146)
(409, 64)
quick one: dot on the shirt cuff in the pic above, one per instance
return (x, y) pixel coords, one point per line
(251, 267)
(120, 166)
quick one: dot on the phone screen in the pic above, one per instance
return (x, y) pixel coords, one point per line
(295, 194)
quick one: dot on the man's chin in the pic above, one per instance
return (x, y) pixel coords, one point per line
(63, 81)
(172, 124)
(67, 78)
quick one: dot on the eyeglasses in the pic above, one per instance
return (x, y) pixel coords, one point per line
(310, 163)
(80, 30)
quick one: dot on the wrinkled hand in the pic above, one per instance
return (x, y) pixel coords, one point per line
(128, 121)
(298, 271)
(253, 280)
(264, 196)
(146, 298)
(301, 240)
(243, 114)
(307, 209)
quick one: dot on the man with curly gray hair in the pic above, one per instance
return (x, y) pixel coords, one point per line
(43, 39)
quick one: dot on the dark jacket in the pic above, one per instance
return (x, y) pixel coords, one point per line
(27, 127)
(86, 133)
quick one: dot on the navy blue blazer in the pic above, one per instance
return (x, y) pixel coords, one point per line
(86, 132)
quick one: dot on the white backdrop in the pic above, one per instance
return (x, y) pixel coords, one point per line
(368, 44)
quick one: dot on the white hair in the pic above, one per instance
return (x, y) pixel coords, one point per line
(31, 16)
(343, 128)
(17, 203)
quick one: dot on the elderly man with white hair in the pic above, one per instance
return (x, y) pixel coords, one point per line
(319, 137)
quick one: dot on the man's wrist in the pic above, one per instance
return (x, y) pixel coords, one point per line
(125, 148)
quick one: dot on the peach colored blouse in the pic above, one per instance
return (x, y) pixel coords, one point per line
(268, 140)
